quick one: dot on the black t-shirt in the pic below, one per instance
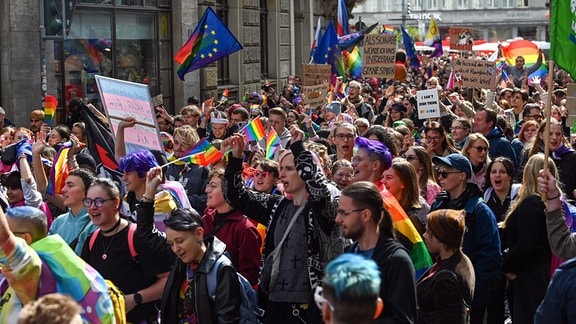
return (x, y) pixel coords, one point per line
(128, 274)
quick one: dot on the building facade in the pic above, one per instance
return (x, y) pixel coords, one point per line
(135, 40)
(492, 20)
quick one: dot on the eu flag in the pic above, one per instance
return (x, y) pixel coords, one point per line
(410, 50)
(329, 51)
(210, 41)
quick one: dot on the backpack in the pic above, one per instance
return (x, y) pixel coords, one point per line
(249, 310)
(131, 231)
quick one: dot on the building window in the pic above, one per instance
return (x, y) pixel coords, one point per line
(462, 3)
(522, 3)
(221, 9)
(432, 4)
(492, 4)
(417, 5)
(508, 3)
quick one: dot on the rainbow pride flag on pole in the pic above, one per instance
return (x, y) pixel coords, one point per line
(255, 130)
(529, 51)
(354, 62)
(210, 41)
(50, 104)
(387, 29)
(203, 153)
(419, 253)
(272, 144)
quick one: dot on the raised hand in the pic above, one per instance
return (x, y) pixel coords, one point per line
(153, 180)
(237, 142)
(127, 123)
(296, 133)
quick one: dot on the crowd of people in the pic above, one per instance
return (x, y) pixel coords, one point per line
(361, 174)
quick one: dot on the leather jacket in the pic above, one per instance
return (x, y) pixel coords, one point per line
(226, 306)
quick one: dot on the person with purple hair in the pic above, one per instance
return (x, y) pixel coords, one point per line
(135, 165)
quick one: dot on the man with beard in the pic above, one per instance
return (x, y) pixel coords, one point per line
(354, 104)
(344, 135)
(363, 218)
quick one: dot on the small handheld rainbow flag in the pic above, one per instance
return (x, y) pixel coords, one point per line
(50, 104)
(272, 144)
(254, 107)
(59, 171)
(254, 131)
(387, 29)
(224, 97)
(203, 153)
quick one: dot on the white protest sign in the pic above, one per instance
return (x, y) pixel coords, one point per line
(428, 104)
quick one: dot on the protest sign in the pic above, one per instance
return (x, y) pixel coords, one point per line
(461, 39)
(313, 74)
(475, 73)
(315, 95)
(428, 104)
(379, 56)
(123, 99)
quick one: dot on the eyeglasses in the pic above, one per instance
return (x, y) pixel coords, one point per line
(410, 158)
(457, 128)
(444, 174)
(353, 87)
(212, 185)
(344, 213)
(320, 300)
(344, 175)
(263, 174)
(345, 136)
(433, 139)
(481, 148)
(99, 202)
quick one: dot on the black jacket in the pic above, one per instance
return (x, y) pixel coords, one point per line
(157, 247)
(398, 289)
(226, 306)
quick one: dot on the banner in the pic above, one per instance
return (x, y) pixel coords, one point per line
(379, 56)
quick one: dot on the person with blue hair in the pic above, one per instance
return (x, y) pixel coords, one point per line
(135, 165)
(349, 291)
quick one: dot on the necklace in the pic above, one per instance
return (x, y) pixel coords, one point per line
(105, 249)
(113, 227)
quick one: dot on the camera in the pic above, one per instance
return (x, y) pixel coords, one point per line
(266, 88)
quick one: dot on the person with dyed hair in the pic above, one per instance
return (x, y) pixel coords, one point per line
(349, 293)
(135, 165)
(364, 220)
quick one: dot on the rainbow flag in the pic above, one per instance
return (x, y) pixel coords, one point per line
(210, 41)
(224, 97)
(354, 62)
(387, 29)
(203, 153)
(50, 104)
(59, 171)
(272, 144)
(529, 51)
(254, 107)
(255, 130)
(403, 225)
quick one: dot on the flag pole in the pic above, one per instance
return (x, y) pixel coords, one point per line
(174, 161)
(547, 109)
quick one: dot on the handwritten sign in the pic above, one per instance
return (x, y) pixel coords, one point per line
(128, 99)
(475, 73)
(428, 104)
(315, 95)
(461, 39)
(379, 56)
(313, 74)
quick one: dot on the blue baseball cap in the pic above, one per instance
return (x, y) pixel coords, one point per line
(456, 161)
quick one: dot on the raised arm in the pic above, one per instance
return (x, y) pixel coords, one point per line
(119, 143)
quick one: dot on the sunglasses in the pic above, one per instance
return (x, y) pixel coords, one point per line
(263, 174)
(444, 174)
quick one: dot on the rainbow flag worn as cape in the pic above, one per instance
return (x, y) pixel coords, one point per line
(419, 253)
(59, 171)
(255, 130)
(50, 104)
(203, 153)
(272, 144)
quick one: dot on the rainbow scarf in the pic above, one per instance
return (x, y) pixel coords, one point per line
(59, 171)
(419, 254)
(203, 153)
(255, 130)
(272, 143)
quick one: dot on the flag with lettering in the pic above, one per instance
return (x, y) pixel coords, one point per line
(210, 41)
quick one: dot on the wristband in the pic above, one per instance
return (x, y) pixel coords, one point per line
(146, 199)
(555, 197)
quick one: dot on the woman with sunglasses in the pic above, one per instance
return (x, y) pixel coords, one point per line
(420, 159)
(141, 278)
(476, 150)
(481, 240)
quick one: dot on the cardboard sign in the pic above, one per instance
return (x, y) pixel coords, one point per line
(379, 56)
(123, 99)
(428, 104)
(475, 73)
(315, 95)
(313, 74)
(461, 39)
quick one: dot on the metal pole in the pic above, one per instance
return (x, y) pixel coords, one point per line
(43, 70)
(64, 22)
(403, 12)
